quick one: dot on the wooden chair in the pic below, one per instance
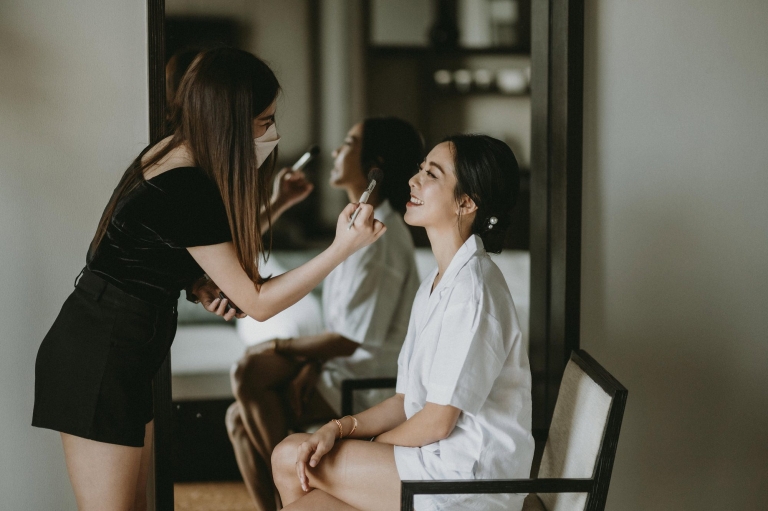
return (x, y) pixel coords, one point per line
(576, 466)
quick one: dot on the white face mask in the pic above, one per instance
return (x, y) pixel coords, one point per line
(265, 144)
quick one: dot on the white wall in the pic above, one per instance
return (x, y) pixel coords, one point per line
(675, 245)
(73, 114)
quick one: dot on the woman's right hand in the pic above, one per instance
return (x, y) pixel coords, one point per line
(364, 231)
(313, 449)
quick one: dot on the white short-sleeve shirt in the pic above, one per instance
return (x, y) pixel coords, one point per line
(368, 299)
(464, 348)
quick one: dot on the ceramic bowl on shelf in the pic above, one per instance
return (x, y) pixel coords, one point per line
(462, 78)
(511, 81)
(443, 78)
(483, 79)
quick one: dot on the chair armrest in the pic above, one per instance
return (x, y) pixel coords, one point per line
(348, 387)
(411, 488)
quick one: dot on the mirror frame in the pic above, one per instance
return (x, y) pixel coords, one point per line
(557, 61)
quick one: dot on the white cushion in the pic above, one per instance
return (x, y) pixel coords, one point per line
(201, 357)
(574, 438)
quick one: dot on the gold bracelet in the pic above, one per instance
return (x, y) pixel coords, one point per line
(341, 429)
(354, 423)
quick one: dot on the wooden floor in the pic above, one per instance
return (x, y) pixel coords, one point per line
(221, 496)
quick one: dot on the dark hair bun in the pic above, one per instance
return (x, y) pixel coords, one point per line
(488, 173)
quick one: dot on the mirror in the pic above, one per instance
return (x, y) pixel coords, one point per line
(446, 67)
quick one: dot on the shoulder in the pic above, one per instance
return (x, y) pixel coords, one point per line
(396, 244)
(184, 182)
(393, 253)
(481, 283)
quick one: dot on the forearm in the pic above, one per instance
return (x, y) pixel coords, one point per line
(376, 420)
(429, 425)
(321, 347)
(277, 294)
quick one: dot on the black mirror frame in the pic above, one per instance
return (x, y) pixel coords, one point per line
(557, 61)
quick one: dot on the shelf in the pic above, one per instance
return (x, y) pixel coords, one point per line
(418, 51)
(493, 92)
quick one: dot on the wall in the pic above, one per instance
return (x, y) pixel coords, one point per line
(73, 114)
(675, 245)
(279, 34)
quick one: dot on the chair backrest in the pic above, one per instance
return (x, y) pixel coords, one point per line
(583, 433)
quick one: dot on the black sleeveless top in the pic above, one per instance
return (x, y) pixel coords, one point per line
(143, 251)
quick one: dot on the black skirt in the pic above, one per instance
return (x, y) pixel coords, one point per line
(94, 369)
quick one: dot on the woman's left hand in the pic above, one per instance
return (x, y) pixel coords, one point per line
(208, 294)
(313, 449)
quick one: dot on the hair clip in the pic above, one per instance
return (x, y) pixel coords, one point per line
(492, 221)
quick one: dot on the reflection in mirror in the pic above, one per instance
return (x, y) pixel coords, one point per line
(443, 67)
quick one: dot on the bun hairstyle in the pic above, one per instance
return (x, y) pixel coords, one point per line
(488, 173)
(396, 147)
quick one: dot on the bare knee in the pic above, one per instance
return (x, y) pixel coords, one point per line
(248, 377)
(233, 419)
(284, 456)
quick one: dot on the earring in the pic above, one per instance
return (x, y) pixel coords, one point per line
(492, 221)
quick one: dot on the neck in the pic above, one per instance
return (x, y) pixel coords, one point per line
(445, 243)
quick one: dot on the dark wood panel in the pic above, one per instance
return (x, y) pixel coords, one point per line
(162, 383)
(201, 447)
(539, 234)
(556, 135)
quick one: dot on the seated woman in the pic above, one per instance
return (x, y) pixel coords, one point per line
(366, 304)
(463, 403)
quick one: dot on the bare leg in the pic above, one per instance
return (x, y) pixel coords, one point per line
(359, 473)
(104, 476)
(257, 474)
(258, 382)
(140, 502)
(318, 500)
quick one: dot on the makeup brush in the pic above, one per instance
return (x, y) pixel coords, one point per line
(375, 176)
(307, 157)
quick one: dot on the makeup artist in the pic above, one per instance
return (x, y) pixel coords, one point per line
(288, 383)
(193, 203)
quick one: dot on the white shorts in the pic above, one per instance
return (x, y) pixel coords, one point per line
(423, 464)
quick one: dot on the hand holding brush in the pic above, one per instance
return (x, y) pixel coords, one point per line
(375, 177)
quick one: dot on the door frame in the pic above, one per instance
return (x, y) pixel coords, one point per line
(557, 62)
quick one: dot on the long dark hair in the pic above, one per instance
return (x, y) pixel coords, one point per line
(397, 148)
(175, 70)
(488, 173)
(219, 96)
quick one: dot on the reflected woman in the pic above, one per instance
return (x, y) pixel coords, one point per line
(366, 305)
(463, 404)
(193, 203)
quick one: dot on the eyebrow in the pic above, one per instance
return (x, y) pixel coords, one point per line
(268, 118)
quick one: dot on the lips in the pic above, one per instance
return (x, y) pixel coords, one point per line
(415, 201)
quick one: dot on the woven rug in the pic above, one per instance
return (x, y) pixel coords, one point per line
(216, 496)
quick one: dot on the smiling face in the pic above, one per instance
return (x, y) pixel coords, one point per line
(433, 201)
(347, 170)
(264, 120)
